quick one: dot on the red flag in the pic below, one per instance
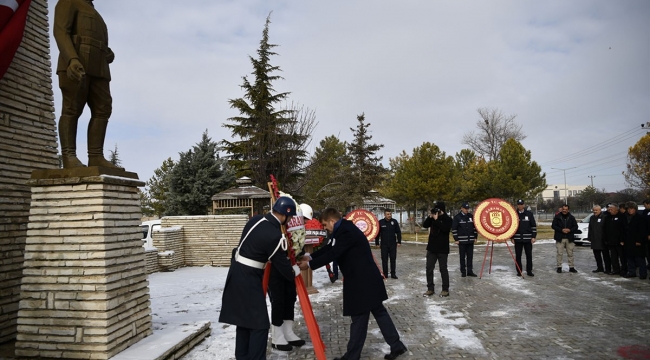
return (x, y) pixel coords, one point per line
(13, 16)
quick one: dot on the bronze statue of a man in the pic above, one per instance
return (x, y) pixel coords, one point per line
(82, 38)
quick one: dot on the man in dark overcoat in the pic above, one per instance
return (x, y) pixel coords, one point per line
(363, 289)
(597, 240)
(613, 234)
(635, 241)
(243, 303)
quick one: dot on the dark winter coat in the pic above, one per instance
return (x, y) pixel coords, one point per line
(614, 229)
(363, 286)
(646, 215)
(438, 233)
(463, 229)
(564, 222)
(243, 303)
(389, 233)
(635, 229)
(527, 229)
(596, 233)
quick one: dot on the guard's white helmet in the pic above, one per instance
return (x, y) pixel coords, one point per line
(307, 211)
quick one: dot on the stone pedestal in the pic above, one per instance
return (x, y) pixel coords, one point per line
(84, 292)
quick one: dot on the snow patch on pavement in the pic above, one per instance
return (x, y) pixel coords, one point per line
(447, 325)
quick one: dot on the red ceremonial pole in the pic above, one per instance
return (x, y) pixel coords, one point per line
(301, 289)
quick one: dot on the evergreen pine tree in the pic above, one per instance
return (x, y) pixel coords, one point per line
(266, 139)
(196, 177)
(326, 175)
(157, 188)
(366, 170)
(115, 157)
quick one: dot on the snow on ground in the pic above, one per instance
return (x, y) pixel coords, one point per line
(193, 294)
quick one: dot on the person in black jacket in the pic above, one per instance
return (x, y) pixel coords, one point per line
(243, 303)
(439, 224)
(391, 237)
(363, 288)
(464, 232)
(635, 241)
(597, 240)
(613, 235)
(525, 237)
(565, 226)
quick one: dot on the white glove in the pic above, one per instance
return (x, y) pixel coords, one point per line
(296, 270)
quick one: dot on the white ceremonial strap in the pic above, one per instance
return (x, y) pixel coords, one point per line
(244, 260)
(248, 262)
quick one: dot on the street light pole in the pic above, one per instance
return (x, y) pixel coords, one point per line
(566, 195)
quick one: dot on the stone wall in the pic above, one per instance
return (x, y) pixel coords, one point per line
(151, 261)
(169, 242)
(27, 142)
(208, 240)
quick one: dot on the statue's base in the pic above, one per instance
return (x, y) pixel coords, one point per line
(79, 172)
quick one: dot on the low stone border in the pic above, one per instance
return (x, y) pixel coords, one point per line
(168, 344)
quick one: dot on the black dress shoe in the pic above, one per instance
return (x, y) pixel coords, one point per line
(573, 270)
(282, 347)
(394, 354)
(471, 274)
(393, 276)
(341, 358)
(530, 273)
(299, 342)
(597, 271)
(463, 275)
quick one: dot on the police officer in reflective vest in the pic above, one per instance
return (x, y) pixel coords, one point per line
(465, 234)
(524, 238)
(390, 236)
(243, 303)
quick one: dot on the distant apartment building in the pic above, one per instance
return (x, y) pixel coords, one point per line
(559, 191)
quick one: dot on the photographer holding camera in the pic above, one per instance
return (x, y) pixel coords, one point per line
(439, 224)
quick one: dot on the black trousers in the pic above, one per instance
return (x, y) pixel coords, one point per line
(432, 258)
(388, 250)
(250, 344)
(466, 251)
(616, 258)
(601, 255)
(623, 257)
(528, 248)
(359, 331)
(282, 294)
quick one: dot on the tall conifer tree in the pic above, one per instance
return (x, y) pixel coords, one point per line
(264, 135)
(367, 170)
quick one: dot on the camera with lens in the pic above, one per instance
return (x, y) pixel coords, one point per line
(435, 211)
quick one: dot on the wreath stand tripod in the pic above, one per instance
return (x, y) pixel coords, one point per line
(490, 244)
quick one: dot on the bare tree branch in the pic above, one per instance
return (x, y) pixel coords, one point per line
(495, 129)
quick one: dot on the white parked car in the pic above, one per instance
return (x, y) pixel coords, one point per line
(147, 228)
(583, 225)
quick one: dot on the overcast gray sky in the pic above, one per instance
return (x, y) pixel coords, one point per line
(576, 74)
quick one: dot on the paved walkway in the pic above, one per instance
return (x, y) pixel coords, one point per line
(501, 316)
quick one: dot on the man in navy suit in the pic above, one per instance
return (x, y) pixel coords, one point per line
(363, 289)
